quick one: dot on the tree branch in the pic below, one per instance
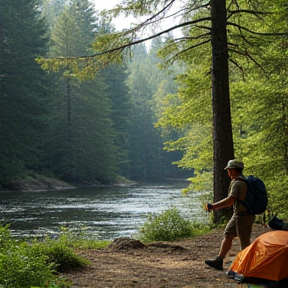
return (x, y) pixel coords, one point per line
(244, 38)
(246, 54)
(187, 49)
(233, 2)
(204, 27)
(255, 13)
(256, 33)
(149, 20)
(145, 39)
(238, 66)
(191, 38)
(197, 8)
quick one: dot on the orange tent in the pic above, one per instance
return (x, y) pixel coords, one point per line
(265, 258)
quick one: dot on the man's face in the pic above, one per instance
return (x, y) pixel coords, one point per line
(231, 173)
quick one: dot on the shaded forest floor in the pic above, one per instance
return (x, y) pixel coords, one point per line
(158, 265)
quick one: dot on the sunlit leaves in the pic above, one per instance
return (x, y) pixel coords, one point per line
(260, 110)
(85, 67)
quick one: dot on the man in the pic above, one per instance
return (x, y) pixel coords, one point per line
(240, 224)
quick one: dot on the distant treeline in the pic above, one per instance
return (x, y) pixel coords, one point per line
(77, 131)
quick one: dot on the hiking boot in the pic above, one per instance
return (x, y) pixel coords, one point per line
(216, 263)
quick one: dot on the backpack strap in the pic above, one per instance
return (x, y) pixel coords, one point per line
(242, 201)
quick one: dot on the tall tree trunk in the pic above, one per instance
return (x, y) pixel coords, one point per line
(222, 127)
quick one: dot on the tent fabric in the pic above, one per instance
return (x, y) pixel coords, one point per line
(265, 258)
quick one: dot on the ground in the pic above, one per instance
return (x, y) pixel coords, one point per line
(129, 263)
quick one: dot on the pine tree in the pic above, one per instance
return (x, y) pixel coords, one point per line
(51, 10)
(148, 158)
(23, 89)
(81, 139)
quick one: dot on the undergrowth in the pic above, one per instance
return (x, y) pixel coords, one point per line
(169, 226)
(37, 264)
(79, 238)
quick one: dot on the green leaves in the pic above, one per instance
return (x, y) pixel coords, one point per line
(169, 226)
(19, 266)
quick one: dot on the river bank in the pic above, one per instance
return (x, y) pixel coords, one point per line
(38, 183)
(159, 265)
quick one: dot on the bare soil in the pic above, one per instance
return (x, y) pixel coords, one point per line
(129, 263)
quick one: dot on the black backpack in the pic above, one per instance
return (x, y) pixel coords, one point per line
(256, 200)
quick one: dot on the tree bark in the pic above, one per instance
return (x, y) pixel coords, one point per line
(222, 128)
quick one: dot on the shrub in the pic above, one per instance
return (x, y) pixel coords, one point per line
(20, 267)
(169, 226)
(34, 265)
(59, 254)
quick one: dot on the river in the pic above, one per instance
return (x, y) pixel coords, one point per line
(105, 212)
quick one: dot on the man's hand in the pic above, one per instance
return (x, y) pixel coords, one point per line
(209, 207)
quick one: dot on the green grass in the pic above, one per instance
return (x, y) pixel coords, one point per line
(80, 239)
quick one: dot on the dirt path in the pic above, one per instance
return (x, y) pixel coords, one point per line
(159, 265)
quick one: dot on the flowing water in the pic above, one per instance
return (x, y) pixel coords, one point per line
(105, 212)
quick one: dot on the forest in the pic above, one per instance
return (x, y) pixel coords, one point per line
(78, 131)
(150, 115)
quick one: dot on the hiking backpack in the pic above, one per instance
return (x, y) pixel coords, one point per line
(256, 200)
